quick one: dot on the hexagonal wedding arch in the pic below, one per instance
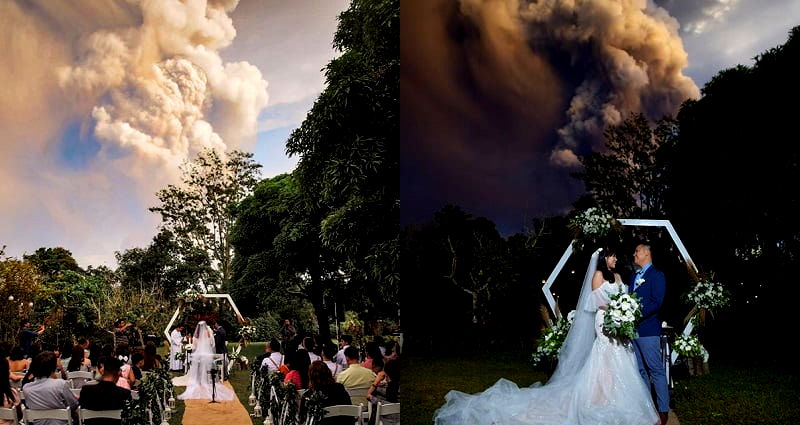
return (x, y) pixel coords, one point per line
(223, 296)
(625, 222)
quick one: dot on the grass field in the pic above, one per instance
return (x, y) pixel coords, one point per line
(732, 394)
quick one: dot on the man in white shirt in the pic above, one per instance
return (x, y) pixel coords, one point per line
(175, 347)
(275, 358)
(328, 354)
(344, 343)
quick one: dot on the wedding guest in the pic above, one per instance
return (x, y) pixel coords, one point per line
(78, 361)
(275, 359)
(355, 377)
(392, 350)
(151, 361)
(17, 364)
(9, 395)
(320, 380)
(26, 337)
(298, 369)
(137, 359)
(106, 395)
(126, 378)
(308, 344)
(373, 352)
(328, 354)
(385, 388)
(343, 344)
(46, 391)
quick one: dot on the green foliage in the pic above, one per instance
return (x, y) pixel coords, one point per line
(20, 280)
(348, 148)
(200, 212)
(51, 262)
(153, 390)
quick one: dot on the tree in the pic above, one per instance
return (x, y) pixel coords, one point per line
(52, 261)
(167, 264)
(20, 290)
(348, 148)
(630, 177)
(201, 211)
(279, 251)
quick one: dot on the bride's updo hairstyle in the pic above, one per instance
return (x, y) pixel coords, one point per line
(608, 275)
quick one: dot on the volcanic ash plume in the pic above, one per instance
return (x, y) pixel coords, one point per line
(627, 55)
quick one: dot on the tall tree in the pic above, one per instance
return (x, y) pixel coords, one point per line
(348, 147)
(629, 177)
(200, 212)
(279, 250)
(20, 286)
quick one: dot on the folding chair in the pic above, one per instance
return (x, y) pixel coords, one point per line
(346, 410)
(84, 414)
(74, 376)
(9, 415)
(76, 392)
(384, 410)
(30, 415)
(358, 395)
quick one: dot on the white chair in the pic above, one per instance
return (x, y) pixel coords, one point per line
(9, 415)
(83, 376)
(358, 395)
(76, 392)
(134, 395)
(384, 410)
(30, 415)
(84, 414)
(346, 410)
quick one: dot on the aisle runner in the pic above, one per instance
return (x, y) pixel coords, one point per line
(201, 412)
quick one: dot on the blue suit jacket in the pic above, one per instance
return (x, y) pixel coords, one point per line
(651, 295)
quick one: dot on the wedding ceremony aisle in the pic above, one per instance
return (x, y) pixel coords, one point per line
(223, 413)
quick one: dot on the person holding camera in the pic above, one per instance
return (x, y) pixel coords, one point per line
(120, 335)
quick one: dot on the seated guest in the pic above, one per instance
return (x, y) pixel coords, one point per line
(386, 388)
(47, 391)
(373, 352)
(78, 363)
(151, 361)
(17, 365)
(355, 377)
(9, 395)
(328, 354)
(298, 370)
(275, 359)
(106, 395)
(137, 359)
(313, 353)
(321, 380)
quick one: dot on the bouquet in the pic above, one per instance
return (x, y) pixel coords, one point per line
(593, 222)
(551, 341)
(620, 319)
(188, 347)
(248, 332)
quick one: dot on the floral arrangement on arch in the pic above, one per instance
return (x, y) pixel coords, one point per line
(591, 225)
(551, 340)
(706, 295)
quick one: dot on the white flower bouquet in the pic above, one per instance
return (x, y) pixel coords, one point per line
(707, 294)
(624, 310)
(248, 332)
(188, 347)
(551, 341)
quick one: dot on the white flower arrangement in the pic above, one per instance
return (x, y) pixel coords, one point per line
(552, 339)
(248, 332)
(708, 295)
(188, 347)
(689, 346)
(593, 222)
(619, 321)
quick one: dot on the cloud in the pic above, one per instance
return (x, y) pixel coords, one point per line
(145, 81)
(697, 17)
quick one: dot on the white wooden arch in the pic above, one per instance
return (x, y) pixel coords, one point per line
(223, 296)
(625, 222)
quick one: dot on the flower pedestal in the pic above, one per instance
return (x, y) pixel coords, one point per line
(696, 366)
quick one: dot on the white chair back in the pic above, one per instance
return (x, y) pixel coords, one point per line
(385, 410)
(357, 395)
(9, 415)
(79, 377)
(84, 414)
(76, 392)
(30, 415)
(346, 410)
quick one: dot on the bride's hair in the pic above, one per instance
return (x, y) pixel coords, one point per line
(608, 275)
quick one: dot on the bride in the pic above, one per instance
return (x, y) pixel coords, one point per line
(198, 378)
(597, 381)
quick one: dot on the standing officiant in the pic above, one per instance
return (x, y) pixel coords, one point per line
(221, 347)
(175, 348)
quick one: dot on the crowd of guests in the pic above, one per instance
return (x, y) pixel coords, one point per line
(40, 373)
(343, 374)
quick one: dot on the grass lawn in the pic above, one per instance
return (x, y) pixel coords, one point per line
(732, 394)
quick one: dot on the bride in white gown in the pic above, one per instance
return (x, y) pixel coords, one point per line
(198, 379)
(597, 381)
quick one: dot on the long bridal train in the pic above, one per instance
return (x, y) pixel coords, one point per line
(198, 379)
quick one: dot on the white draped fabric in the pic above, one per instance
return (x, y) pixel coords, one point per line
(175, 346)
(198, 385)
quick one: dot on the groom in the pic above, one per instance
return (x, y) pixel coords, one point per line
(649, 284)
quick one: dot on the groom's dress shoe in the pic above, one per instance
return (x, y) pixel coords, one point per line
(664, 418)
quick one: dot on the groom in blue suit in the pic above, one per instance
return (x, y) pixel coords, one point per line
(649, 284)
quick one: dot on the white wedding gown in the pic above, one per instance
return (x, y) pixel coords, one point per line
(198, 379)
(597, 381)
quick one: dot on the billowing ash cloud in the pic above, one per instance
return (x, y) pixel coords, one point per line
(100, 102)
